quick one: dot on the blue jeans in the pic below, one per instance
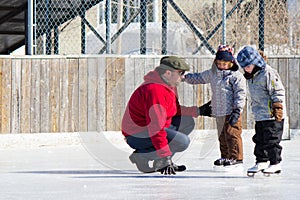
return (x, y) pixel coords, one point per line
(177, 135)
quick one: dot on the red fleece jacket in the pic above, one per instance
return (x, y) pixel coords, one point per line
(152, 106)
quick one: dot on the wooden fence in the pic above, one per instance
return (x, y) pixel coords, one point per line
(89, 93)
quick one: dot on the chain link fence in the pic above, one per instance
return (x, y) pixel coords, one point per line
(165, 26)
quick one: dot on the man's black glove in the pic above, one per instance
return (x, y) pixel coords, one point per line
(164, 166)
(234, 117)
(205, 110)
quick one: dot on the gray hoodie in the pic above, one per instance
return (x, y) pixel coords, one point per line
(228, 89)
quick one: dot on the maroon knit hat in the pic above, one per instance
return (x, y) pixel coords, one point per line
(226, 53)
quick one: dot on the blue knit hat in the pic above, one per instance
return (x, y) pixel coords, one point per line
(249, 56)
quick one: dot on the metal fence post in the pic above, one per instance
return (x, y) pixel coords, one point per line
(29, 28)
(164, 27)
(143, 22)
(224, 22)
(108, 23)
(261, 25)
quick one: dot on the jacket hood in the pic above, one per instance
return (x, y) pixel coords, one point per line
(154, 77)
(249, 56)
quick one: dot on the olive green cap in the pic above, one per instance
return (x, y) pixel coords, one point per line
(173, 62)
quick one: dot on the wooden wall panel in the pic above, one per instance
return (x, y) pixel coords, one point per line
(45, 95)
(83, 100)
(101, 95)
(16, 95)
(92, 93)
(70, 94)
(64, 97)
(5, 95)
(54, 97)
(73, 95)
(25, 107)
(115, 92)
(35, 97)
(293, 97)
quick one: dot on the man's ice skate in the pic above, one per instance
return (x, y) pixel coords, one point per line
(259, 166)
(272, 169)
(141, 162)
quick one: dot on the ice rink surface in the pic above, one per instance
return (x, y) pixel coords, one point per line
(96, 166)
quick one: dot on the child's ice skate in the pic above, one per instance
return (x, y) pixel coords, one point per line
(233, 165)
(259, 166)
(272, 169)
(226, 165)
(219, 164)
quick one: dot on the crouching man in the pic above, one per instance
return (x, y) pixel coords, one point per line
(155, 124)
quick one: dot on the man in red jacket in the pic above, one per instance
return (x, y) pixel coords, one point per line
(154, 123)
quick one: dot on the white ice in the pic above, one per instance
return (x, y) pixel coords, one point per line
(96, 166)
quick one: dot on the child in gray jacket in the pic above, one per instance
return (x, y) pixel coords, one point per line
(228, 100)
(267, 102)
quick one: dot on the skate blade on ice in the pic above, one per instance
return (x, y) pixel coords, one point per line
(267, 174)
(252, 173)
(233, 168)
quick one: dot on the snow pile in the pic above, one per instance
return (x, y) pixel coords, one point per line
(38, 140)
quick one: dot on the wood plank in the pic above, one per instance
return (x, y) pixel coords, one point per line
(188, 94)
(73, 95)
(139, 71)
(283, 71)
(83, 101)
(54, 83)
(129, 84)
(109, 102)
(209, 122)
(92, 93)
(64, 97)
(45, 95)
(111, 84)
(1, 91)
(6, 95)
(16, 95)
(35, 100)
(118, 93)
(101, 95)
(293, 97)
(25, 107)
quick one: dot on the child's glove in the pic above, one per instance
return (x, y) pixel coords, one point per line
(277, 111)
(234, 117)
(205, 110)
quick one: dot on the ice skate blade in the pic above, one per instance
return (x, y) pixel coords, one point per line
(219, 168)
(267, 174)
(237, 167)
(251, 174)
